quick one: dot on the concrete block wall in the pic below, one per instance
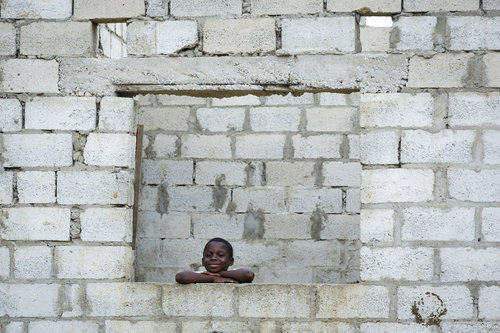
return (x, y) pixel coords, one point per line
(277, 176)
(427, 144)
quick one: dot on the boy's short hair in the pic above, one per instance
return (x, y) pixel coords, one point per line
(228, 245)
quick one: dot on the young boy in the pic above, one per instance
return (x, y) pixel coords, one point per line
(217, 257)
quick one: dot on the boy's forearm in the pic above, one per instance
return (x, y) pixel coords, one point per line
(240, 275)
(192, 277)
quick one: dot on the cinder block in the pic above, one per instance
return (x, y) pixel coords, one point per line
(468, 264)
(352, 301)
(61, 113)
(396, 264)
(32, 262)
(308, 200)
(394, 327)
(225, 172)
(252, 146)
(267, 199)
(122, 299)
(156, 225)
(318, 35)
(446, 146)
(34, 9)
(63, 326)
(167, 118)
(379, 147)
(156, 172)
(317, 326)
(122, 326)
(377, 225)
(206, 146)
(35, 223)
(374, 39)
(341, 174)
(7, 39)
(182, 100)
(274, 301)
(353, 200)
(165, 146)
(396, 185)
(443, 70)
(491, 5)
(491, 142)
(396, 110)
(440, 5)
(14, 327)
(105, 149)
(166, 37)
(236, 101)
(474, 109)
(173, 36)
(29, 300)
(94, 187)
(44, 39)
(220, 119)
(191, 198)
(306, 253)
(217, 326)
(36, 186)
(274, 119)
(148, 198)
(105, 10)
(290, 174)
(6, 187)
(354, 146)
(317, 146)
(365, 6)
(474, 33)
(489, 308)
(190, 8)
(332, 119)
(427, 224)
(29, 75)
(491, 227)
(232, 36)
(482, 186)
(198, 300)
(157, 8)
(285, 7)
(106, 225)
(281, 226)
(491, 69)
(12, 113)
(207, 226)
(428, 300)
(116, 114)
(262, 253)
(413, 33)
(344, 227)
(333, 99)
(141, 38)
(4, 263)
(93, 262)
(469, 327)
(304, 99)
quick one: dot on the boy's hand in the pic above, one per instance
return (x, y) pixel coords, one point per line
(212, 274)
(218, 279)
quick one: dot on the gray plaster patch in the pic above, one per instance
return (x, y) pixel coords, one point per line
(254, 225)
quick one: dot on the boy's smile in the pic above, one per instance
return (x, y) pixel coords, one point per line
(216, 257)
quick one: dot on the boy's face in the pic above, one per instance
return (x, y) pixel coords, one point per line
(216, 257)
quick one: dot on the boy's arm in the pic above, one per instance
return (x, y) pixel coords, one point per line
(241, 275)
(192, 277)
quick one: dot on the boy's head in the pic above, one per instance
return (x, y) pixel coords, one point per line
(217, 255)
